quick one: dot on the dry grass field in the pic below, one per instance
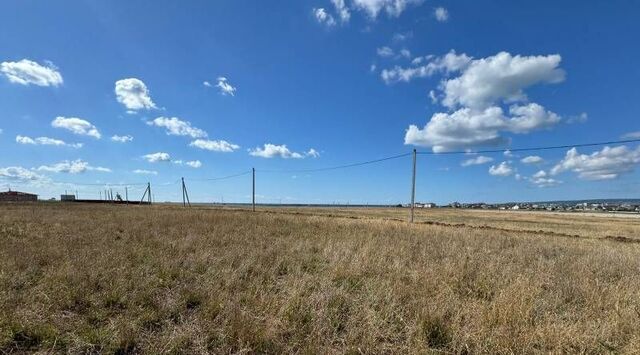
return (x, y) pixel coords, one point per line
(139, 279)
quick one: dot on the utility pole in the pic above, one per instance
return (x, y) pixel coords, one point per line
(185, 194)
(149, 188)
(253, 195)
(413, 186)
(126, 193)
(184, 204)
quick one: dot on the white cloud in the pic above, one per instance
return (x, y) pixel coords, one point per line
(503, 169)
(477, 161)
(133, 94)
(405, 53)
(194, 163)
(385, 52)
(392, 7)
(501, 77)
(401, 37)
(433, 97)
(441, 14)
(323, 17)
(176, 127)
(145, 172)
(214, 145)
(45, 141)
(542, 179)
(207, 84)
(313, 153)
(449, 63)
(225, 87)
(532, 159)
(507, 153)
(122, 139)
(17, 173)
(581, 118)
(605, 164)
(76, 126)
(342, 10)
(476, 97)
(27, 72)
(272, 151)
(157, 157)
(467, 128)
(631, 135)
(72, 167)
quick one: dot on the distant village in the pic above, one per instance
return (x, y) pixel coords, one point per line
(569, 206)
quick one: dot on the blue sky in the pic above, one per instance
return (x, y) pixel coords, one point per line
(124, 92)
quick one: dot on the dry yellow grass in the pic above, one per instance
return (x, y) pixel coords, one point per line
(126, 279)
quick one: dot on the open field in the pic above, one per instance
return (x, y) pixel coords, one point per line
(99, 278)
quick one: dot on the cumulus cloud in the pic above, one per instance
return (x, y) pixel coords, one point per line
(532, 159)
(157, 157)
(385, 52)
(76, 126)
(467, 128)
(476, 95)
(605, 164)
(479, 160)
(323, 17)
(503, 169)
(18, 173)
(272, 151)
(176, 127)
(27, 72)
(312, 153)
(393, 8)
(449, 63)
(542, 179)
(501, 77)
(214, 145)
(342, 10)
(133, 94)
(225, 87)
(145, 172)
(441, 14)
(72, 167)
(122, 139)
(46, 141)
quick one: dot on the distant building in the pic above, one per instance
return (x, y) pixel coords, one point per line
(17, 196)
(67, 197)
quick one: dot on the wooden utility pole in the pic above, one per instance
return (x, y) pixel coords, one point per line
(149, 188)
(184, 203)
(185, 194)
(253, 195)
(126, 194)
(413, 187)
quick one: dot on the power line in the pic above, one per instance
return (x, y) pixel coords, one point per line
(337, 167)
(532, 148)
(223, 177)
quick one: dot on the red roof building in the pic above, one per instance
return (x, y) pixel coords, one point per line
(17, 196)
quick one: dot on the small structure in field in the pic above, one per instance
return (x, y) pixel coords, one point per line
(67, 197)
(17, 196)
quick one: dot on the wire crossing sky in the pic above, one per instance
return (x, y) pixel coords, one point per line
(317, 96)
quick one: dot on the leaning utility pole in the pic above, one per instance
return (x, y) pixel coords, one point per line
(184, 203)
(413, 186)
(253, 195)
(185, 194)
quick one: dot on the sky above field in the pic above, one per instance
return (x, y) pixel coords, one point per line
(97, 93)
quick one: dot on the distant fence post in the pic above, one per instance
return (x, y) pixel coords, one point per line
(413, 187)
(253, 195)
